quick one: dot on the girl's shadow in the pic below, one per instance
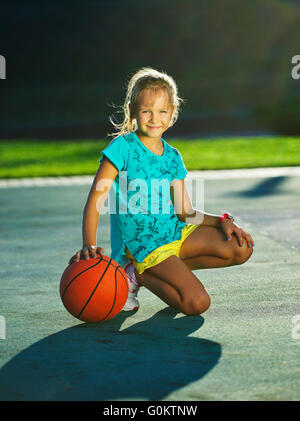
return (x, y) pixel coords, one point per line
(146, 361)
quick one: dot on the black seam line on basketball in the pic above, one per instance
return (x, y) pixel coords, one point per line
(100, 259)
(78, 274)
(125, 279)
(107, 266)
(115, 266)
(113, 304)
(116, 287)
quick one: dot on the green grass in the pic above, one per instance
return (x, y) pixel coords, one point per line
(23, 158)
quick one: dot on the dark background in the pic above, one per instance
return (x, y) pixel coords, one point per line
(67, 61)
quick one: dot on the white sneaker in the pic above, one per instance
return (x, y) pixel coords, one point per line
(132, 303)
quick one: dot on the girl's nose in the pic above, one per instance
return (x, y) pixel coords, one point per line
(153, 117)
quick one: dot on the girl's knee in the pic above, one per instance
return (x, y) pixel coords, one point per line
(243, 254)
(197, 305)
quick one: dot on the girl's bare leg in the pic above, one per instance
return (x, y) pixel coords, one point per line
(173, 280)
(207, 248)
(174, 283)
(207, 262)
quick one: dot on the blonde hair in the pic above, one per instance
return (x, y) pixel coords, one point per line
(145, 78)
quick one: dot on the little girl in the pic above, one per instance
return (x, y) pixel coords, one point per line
(159, 239)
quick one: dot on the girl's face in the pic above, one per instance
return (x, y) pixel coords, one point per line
(153, 113)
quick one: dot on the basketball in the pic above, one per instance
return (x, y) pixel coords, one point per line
(94, 290)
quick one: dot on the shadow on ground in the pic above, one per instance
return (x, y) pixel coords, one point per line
(268, 187)
(145, 361)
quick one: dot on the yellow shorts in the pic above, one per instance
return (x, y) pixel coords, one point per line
(162, 252)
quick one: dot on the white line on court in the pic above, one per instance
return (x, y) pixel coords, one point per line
(207, 175)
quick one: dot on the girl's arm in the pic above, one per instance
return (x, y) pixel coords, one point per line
(184, 209)
(185, 212)
(102, 183)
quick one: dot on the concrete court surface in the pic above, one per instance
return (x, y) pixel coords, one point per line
(245, 347)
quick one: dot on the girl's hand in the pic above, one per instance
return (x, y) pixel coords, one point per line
(229, 228)
(86, 252)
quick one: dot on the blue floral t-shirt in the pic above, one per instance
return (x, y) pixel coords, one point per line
(142, 216)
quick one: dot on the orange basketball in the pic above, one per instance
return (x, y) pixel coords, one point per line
(94, 290)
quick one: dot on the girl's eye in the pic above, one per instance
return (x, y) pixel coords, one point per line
(143, 112)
